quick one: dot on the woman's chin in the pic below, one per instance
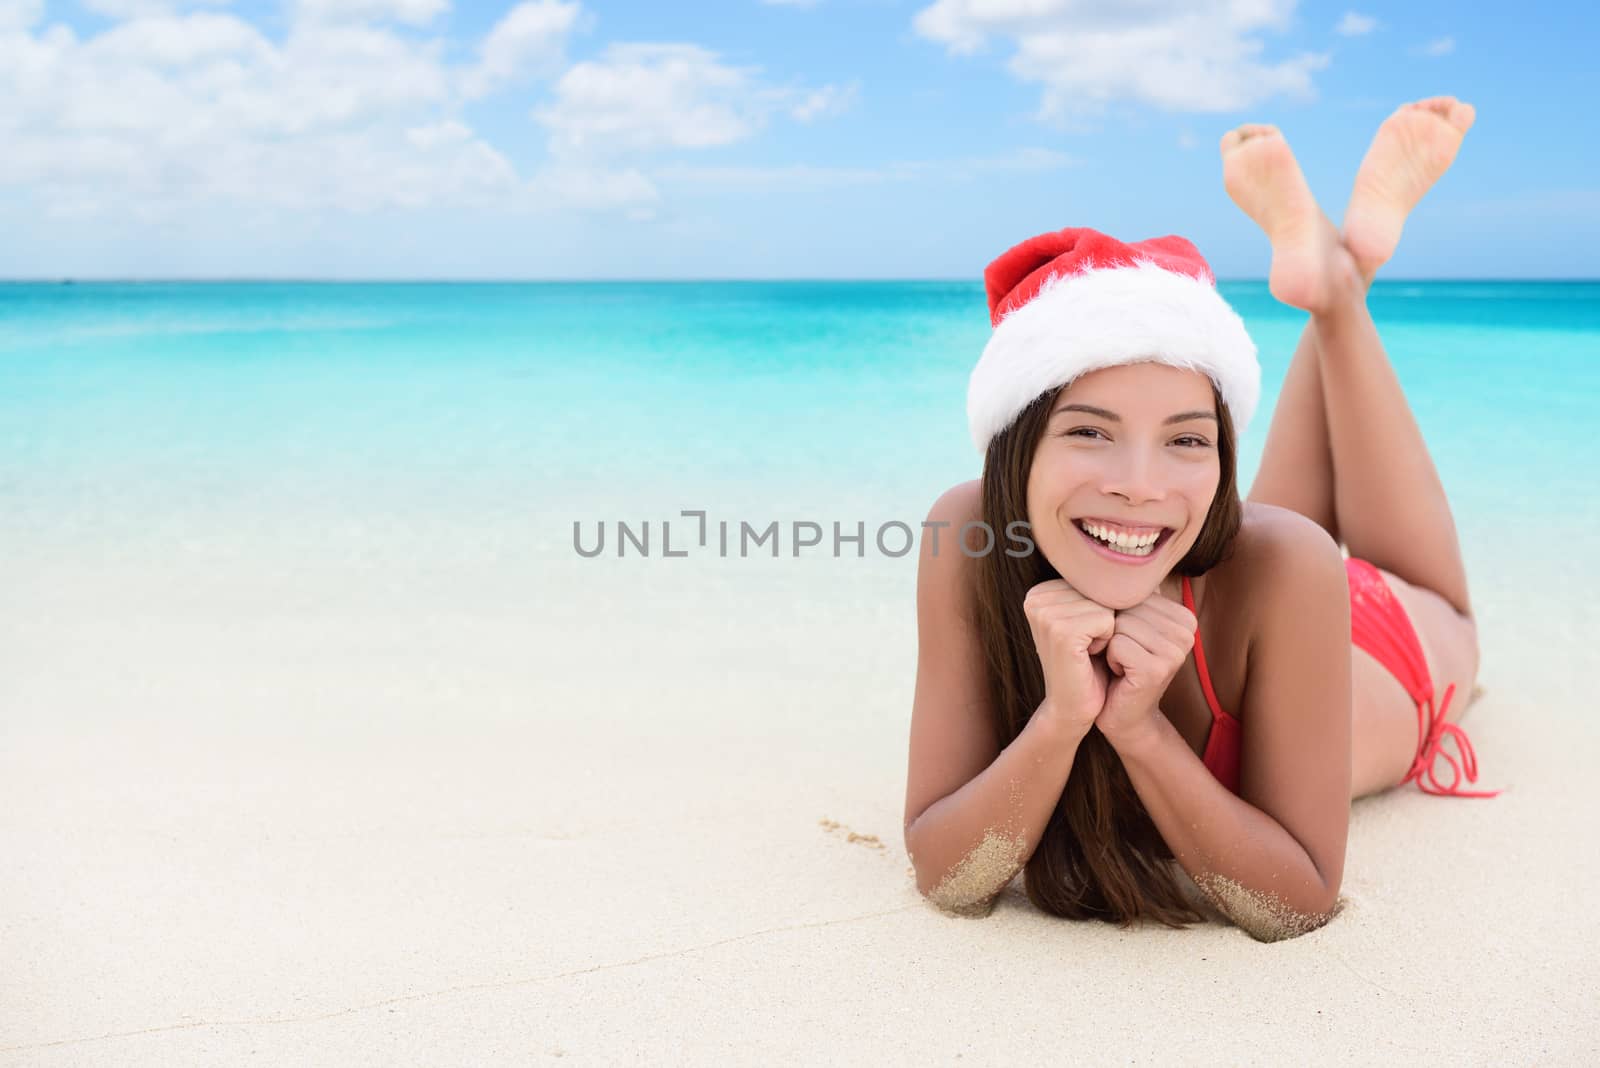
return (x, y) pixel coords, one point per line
(1111, 583)
(1121, 600)
(1116, 595)
(1107, 583)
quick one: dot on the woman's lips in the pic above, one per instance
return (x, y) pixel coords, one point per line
(1123, 558)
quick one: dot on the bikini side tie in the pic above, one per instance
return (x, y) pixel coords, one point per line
(1431, 726)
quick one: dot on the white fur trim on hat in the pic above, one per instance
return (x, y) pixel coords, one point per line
(1103, 318)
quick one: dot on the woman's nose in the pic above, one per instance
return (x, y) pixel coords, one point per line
(1133, 476)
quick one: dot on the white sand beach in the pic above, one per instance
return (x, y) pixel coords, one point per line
(377, 806)
(322, 322)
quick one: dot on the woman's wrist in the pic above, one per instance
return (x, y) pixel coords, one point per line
(1133, 737)
(1051, 722)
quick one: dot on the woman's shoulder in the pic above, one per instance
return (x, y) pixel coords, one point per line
(1272, 537)
(947, 577)
(954, 509)
(959, 499)
(1277, 554)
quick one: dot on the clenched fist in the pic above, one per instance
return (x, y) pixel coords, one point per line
(1148, 645)
(1068, 631)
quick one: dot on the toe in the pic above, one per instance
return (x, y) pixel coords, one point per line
(1244, 132)
(1462, 116)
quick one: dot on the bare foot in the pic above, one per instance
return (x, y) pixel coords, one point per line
(1413, 147)
(1309, 265)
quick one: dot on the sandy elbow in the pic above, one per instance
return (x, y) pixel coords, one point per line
(971, 887)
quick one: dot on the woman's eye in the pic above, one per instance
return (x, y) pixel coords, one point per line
(1189, 441)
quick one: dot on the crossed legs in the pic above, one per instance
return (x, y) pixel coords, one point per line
(1343, 447)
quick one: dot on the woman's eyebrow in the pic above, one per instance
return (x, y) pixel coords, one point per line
(1181, 417)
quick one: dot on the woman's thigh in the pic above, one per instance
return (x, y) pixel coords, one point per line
(1384, 733)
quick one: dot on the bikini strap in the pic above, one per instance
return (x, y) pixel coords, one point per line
(1433, 726)
(1200, 655)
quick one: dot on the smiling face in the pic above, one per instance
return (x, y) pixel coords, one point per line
(1143, 461)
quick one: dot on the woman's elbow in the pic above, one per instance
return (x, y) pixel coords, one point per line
(1266, 917)
(974, 884)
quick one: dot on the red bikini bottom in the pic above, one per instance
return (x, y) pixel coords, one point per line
(1378, 624)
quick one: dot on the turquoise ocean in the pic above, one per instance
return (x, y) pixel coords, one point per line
(218, 425)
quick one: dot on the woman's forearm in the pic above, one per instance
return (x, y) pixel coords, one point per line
(1245, 862)
(967, 846)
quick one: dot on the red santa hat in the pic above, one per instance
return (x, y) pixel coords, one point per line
(1076, 300)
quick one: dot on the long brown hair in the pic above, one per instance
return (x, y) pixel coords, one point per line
(1101, 855)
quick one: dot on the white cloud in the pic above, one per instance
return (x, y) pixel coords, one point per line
(165, 113)
(804, 177)
(643, 97)
(439, 134)
(527, 42)
(169, 42)
(597, 190)
(413, 12)
(1022, 160)
(829, 100)
(1176, 55)
(788, 177)
(1441, 47)
(161, 113)
(1354, 25)
(20, 14)
(129, 9)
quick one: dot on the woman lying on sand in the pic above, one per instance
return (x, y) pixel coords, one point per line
(1060, 721)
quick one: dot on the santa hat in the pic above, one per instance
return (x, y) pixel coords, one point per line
(1076, 300)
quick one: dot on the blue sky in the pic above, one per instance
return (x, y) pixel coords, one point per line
(750, 139)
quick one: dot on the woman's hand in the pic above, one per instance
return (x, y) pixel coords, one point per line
(1149, 644)
(1068, 630)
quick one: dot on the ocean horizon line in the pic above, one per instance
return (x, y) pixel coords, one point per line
(975, 279)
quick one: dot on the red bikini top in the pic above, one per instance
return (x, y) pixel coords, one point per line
(1222, 743)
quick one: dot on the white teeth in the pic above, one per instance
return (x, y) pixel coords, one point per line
(1126, 543)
